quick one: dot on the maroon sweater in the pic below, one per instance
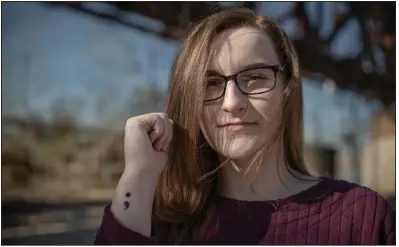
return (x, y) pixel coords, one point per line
(332, 212)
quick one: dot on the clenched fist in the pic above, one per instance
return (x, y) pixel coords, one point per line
(147, 140)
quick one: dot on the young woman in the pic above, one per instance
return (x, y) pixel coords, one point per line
(233, 173)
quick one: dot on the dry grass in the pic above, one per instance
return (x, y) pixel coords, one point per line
(75, 166)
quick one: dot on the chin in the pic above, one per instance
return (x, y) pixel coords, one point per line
(239, 148)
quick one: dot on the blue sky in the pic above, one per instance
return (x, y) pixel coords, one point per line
(50, 53)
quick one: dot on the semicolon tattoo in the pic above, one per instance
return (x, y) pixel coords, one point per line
(126, 203)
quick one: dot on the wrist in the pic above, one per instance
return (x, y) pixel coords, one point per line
(139, 181)
(140, 175)
(140, 189)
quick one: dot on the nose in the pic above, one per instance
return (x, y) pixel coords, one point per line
(234, 100)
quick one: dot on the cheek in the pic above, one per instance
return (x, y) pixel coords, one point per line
(209, 114)
(269, 112)
(208, 122)
(208, 119)
(270, 107)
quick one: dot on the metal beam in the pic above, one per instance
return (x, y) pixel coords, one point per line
(314, 57)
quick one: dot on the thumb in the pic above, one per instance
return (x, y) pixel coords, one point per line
(157, 131)
(151, 122)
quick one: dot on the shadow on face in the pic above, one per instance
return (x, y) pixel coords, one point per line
(238, 124)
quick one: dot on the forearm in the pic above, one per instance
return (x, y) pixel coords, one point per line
(133, 200)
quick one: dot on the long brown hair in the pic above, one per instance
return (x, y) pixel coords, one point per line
(182, 200)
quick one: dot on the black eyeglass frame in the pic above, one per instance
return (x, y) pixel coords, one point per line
(274, 68)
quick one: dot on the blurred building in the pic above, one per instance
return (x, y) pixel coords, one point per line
(378, 159)
(321, 160)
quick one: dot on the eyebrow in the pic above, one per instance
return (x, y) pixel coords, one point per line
(246, 67)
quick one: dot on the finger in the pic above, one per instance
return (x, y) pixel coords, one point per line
(157, 146)
(157, 131)
(154, 135)
(148, 121)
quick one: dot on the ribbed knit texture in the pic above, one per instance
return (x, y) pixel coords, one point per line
(332, 212)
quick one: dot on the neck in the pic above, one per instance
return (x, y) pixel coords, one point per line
(271, 181)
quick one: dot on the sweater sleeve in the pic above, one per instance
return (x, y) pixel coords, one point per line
(388, 228)
(111, 232)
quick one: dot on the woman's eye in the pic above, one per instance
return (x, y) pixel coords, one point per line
(214, 83)
(256, 77)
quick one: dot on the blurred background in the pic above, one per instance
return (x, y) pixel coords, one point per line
(74, 72)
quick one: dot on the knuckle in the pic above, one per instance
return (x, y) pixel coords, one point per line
(129, 123)
(160, 117)
(163, 115)
(132, 122)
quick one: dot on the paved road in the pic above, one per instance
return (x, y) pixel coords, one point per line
(85, 237)
(50, 224)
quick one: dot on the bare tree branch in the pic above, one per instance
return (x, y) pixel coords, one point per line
(339, 22)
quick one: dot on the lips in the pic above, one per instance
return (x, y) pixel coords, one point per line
(235, 124)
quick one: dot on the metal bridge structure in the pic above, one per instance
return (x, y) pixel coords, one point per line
(364, 74)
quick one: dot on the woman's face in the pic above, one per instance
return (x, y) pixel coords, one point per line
(237, 125)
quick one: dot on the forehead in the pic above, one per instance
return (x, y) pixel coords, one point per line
(237, 48)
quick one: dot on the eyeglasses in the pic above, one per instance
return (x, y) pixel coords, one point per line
(250, 81)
